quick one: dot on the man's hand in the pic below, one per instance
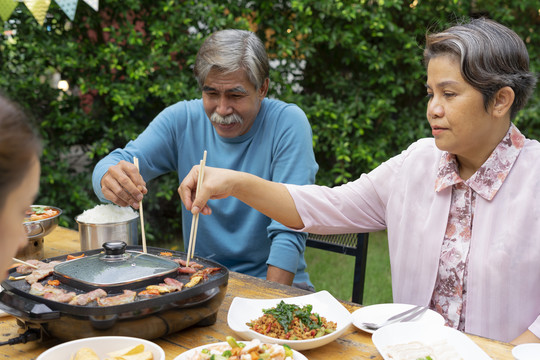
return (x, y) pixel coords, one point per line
(123, 185)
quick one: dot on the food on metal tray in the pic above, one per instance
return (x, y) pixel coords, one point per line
(292, 322)
(87, 298)
(136, 352)
(51, 288)
(51, 292)
(40, 213)
(235, 350)
(127, 297)
(43, 270)
(437, 350)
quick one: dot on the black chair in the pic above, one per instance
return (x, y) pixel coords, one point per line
(350, 244)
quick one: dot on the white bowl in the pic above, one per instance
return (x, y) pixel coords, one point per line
(244, 310)
(527, 352)
(101, 345)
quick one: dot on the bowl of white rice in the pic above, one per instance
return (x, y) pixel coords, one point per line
(107, 223)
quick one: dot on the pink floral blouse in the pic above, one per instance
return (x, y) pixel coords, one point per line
(451, 285)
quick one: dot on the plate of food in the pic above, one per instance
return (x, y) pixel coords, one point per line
(380, 312)
(303, 322)
(105, 347)
(230, 348)
(420, 340)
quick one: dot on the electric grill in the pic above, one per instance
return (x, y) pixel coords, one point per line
(147, 317)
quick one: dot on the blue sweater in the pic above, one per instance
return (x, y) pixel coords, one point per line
(278, 147)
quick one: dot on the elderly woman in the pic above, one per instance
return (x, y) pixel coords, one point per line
(19, 179)
(461, 210)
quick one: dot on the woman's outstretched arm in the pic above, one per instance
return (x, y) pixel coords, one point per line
(270, 198)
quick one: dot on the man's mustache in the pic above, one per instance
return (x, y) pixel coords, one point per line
(226, 120)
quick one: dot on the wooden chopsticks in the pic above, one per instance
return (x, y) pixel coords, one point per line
(136, 161)
(25, 263)
(195, 221)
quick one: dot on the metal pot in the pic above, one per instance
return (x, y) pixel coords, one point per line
(93, 236)
(35, 232)
(154, 317)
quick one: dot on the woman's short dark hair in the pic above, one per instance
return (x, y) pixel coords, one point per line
(231, 50)
(19, 146)
(491, 57)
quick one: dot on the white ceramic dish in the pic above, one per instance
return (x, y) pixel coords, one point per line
(244, 310)
(380, 312)
(402, 333)
(527, 352)
(188, 354)
(101, 345)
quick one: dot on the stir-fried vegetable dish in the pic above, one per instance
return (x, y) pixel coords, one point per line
(292, 322)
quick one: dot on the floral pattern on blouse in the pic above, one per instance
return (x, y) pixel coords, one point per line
(449, 295)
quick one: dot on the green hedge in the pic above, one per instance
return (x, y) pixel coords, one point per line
(353, 66)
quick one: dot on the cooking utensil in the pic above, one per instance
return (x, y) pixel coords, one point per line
(24, 263)
(115, 270)
(145, 317)
(136, 161)
(401, 317)
(93, 236)
(195, 221)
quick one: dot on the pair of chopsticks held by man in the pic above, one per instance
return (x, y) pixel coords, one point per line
(460, 207)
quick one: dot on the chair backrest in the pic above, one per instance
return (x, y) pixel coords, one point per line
(350, 244)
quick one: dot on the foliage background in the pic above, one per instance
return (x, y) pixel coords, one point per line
(353, 66)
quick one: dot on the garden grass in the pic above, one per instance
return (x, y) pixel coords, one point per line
(334, 272)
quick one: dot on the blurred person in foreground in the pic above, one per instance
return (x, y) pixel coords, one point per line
(462, 209)
(242, 130)
(20, 150)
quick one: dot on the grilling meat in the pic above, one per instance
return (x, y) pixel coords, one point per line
(174, 284)
(52, 293)
(43, 270)
(85, 299)
(127, 297)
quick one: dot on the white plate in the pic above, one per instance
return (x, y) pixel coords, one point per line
(244, 310)
(527, 352)
(101, 345)
(380, 312)
(402, 333)
(188, 354)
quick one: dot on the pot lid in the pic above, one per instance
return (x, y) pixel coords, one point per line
(115, 266)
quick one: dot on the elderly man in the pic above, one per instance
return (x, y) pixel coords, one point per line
(242, 130)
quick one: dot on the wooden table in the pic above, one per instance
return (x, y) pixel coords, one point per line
(354, 344)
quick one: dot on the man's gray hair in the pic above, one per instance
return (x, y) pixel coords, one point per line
(230, 50)
(491, 56)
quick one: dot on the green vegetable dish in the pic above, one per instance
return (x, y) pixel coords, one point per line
(292, 322)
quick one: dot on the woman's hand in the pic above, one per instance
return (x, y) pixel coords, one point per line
(270, 198)
(217, 184)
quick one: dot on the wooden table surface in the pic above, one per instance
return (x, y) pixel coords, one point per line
(354, 344)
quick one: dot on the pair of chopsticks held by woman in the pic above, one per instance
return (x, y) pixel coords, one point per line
(462, 208)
